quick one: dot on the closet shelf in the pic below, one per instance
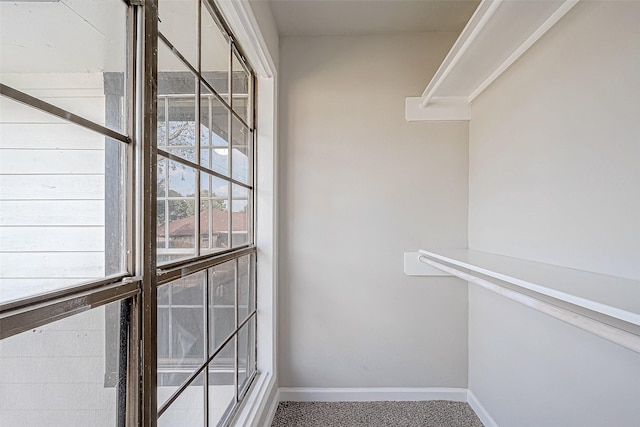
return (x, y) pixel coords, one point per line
(611, 296)
(497, 34)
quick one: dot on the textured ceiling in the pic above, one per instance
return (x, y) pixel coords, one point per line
(368, 17)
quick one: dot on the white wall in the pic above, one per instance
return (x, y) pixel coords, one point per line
(358, 186)
(554, 147)
(554, 176)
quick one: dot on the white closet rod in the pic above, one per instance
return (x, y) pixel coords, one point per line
(608, 332)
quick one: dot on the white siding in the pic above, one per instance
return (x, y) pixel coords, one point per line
(51, 183)
(52, 235)
(47, 239)
(79, 93)
(63, 161)
(49, 136)
(54, 375)
(52, 264)
(52, 187)
(51, 212)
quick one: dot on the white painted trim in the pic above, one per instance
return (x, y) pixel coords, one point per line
(239, 14)
(603, 330)
(440, 109)
(480, 410)
(266, 226)
(530, 41)
(271, 413)
(255, 404)
(382, 394)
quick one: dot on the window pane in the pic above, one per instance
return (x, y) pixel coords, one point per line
(222, 294)
(177, 221)
(215, 54)
(162, 122)
(246, 355)
(214, 134)
(178, 19)
(244, 287)
(241, 153)
(252, 284)
(241, 89)
(162, 174)
(64, 373)
(214, 214)
(181, 129)
(181, 320)
(221, 384)
(188, 409)
(74, 58)
(176, 106)
(241, 214)
(62, 204)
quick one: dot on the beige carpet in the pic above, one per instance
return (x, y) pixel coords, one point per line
(437, 413)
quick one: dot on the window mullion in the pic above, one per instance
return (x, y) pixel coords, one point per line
(198, 101)
(230, 142)
(147, 159)
(196, 208)
(206, 346)
(210, 158)
(236, 364)
(166, 176)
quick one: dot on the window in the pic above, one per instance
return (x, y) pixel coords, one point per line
(206, 331)
(204, 207)
(127, 249)
(53, 375)
(63, 211)
(64, 146)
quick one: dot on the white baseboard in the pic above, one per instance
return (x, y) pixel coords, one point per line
(308, 394)
(480, 410)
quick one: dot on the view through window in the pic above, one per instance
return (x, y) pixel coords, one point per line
(73, 254)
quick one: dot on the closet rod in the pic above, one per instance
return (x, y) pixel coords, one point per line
(603, 330)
